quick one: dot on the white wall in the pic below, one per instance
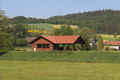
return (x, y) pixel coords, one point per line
(116, 47)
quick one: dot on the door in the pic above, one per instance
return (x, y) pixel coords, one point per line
(34, 49)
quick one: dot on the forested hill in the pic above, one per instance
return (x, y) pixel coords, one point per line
(106, 21)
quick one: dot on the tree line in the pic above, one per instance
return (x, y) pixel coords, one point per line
(106, 21)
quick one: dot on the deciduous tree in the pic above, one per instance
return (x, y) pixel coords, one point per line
(86, 31)
(5, 37)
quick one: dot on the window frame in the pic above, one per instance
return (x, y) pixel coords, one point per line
(47, 45)
(39, 45)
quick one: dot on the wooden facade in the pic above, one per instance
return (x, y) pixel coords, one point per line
(50, 43)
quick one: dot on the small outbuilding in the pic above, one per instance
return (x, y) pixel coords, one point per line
(50, 43)
(112, 44)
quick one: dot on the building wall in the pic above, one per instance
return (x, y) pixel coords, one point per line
(42, 41)
(116, 47)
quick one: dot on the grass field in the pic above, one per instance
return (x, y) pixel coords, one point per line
(41, 25)
(29, 70)
(109, 38)
(58, 26)
(48, 27)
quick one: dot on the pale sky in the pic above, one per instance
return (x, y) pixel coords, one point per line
(49, 8)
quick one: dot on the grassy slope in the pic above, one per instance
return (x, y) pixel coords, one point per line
(42, 25)
(63, 56)
(28, 70)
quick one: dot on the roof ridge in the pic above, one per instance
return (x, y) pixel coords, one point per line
(54, 40)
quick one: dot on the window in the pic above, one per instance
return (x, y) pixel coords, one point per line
(39, 45)
(43, 45)
(47, 45)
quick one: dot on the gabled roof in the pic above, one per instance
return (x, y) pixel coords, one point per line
(113, 43)
(60, 39)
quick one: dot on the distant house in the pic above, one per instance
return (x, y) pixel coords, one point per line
(50, 43)
(113, 44)
(91, 40)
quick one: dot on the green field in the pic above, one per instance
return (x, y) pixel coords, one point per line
(109, 38)
(30, 70)
(48, 27)
(38, 26)
(63, 56)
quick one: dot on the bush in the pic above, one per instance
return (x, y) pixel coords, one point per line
(114, 49)
(21, 42)
(107, 48)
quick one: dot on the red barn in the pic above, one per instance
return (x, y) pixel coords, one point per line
(50, 43)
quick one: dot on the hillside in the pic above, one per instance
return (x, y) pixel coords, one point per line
(106, 21)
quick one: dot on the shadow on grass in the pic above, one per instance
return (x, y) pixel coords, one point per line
(1, 53)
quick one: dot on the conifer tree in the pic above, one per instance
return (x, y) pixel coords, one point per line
(100, 42)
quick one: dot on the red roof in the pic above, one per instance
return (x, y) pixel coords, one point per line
(60, 39)
(115, 43)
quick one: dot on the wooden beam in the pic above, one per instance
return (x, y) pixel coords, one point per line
(64, 47)
(82, 47)
(73, 45)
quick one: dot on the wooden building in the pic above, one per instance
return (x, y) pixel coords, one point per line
(50, 43)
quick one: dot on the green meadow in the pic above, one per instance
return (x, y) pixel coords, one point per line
(38, 26)
(109, 38)
(47, 27)
(34, 70)
(60, 65)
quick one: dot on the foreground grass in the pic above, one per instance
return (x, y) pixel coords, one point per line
(29, 70)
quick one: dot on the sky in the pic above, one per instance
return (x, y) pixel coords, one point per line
(50, 8)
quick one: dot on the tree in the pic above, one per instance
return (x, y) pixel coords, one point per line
(20, 30)
(64, 30)
(57, 31)
(115, 34)
(5, 37)
(100, 43)
(86, 31)
(87, 45)
(21, 42)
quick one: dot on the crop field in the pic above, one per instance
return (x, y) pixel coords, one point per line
(33, 70)
(111, 36)
(58, 26)
(38, 26)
